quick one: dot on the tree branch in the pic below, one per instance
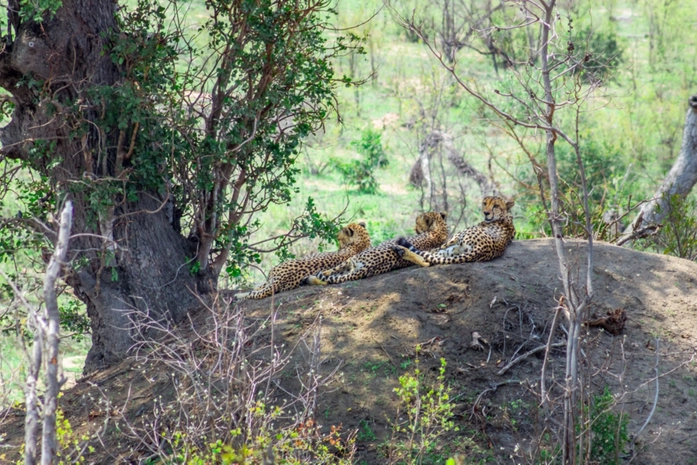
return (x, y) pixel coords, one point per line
(49, 445)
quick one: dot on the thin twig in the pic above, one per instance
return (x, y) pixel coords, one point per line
(492, 389)
(655, 398)
(526, 355)
(386, 352)
(543, 384)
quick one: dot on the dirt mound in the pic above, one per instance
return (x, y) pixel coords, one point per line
(371, 329)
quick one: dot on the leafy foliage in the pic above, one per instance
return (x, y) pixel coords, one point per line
(38, 10)
(233, 101)
(304, 443)
(72, 448)
(359, 173)
(605, 53)
(208, 116)
(24, 248)
(609, 430)
(370, 146)
(73, 319)
(613, 177)
(678, 234)
(428, 413)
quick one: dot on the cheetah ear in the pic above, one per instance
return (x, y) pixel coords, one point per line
(362, 223)
(509, 204)
(443, 215)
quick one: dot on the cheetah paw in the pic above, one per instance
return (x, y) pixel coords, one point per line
(315, 281)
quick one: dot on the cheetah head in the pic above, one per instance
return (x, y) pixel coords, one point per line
(496, 208)
(430, 221)
(354, 234)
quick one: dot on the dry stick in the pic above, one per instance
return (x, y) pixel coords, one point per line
(675, 368)
(543, 383)
(571, 375)
(314, 368)
(687, 438)
(526, 355)
(491, 389)
(655, 399)
(49, 446)
(40, 327)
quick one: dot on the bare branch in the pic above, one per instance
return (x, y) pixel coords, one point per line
(49, 447)
(527, 354)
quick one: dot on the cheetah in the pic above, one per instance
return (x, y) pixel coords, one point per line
(479, 243)
(353, 239)
(432, 231)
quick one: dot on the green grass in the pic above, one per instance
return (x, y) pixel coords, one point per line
(365, 432)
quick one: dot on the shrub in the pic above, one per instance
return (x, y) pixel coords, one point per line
(424, 416)
(609, 430)
(678, 236)
(611, 180)
(605, 54)
(225, 407)
(359, 173)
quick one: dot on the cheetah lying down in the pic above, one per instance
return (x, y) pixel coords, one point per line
(484, 241)
(431, 232)
(352, 239)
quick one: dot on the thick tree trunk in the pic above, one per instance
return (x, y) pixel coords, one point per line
(130, 257)
(679, 181)
(150, 282)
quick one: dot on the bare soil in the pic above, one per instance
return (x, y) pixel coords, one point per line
(371, 329)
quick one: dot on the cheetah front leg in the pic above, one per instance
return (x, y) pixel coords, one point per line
(456, 253)
(342, 268)
(469, 256)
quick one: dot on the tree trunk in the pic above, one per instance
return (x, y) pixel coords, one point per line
(129, 257)
(151, 282)
(679, 180)
(420, 171)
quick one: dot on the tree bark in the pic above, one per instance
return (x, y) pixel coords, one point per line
(151, 282)
(679, 180)
(128, 258)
